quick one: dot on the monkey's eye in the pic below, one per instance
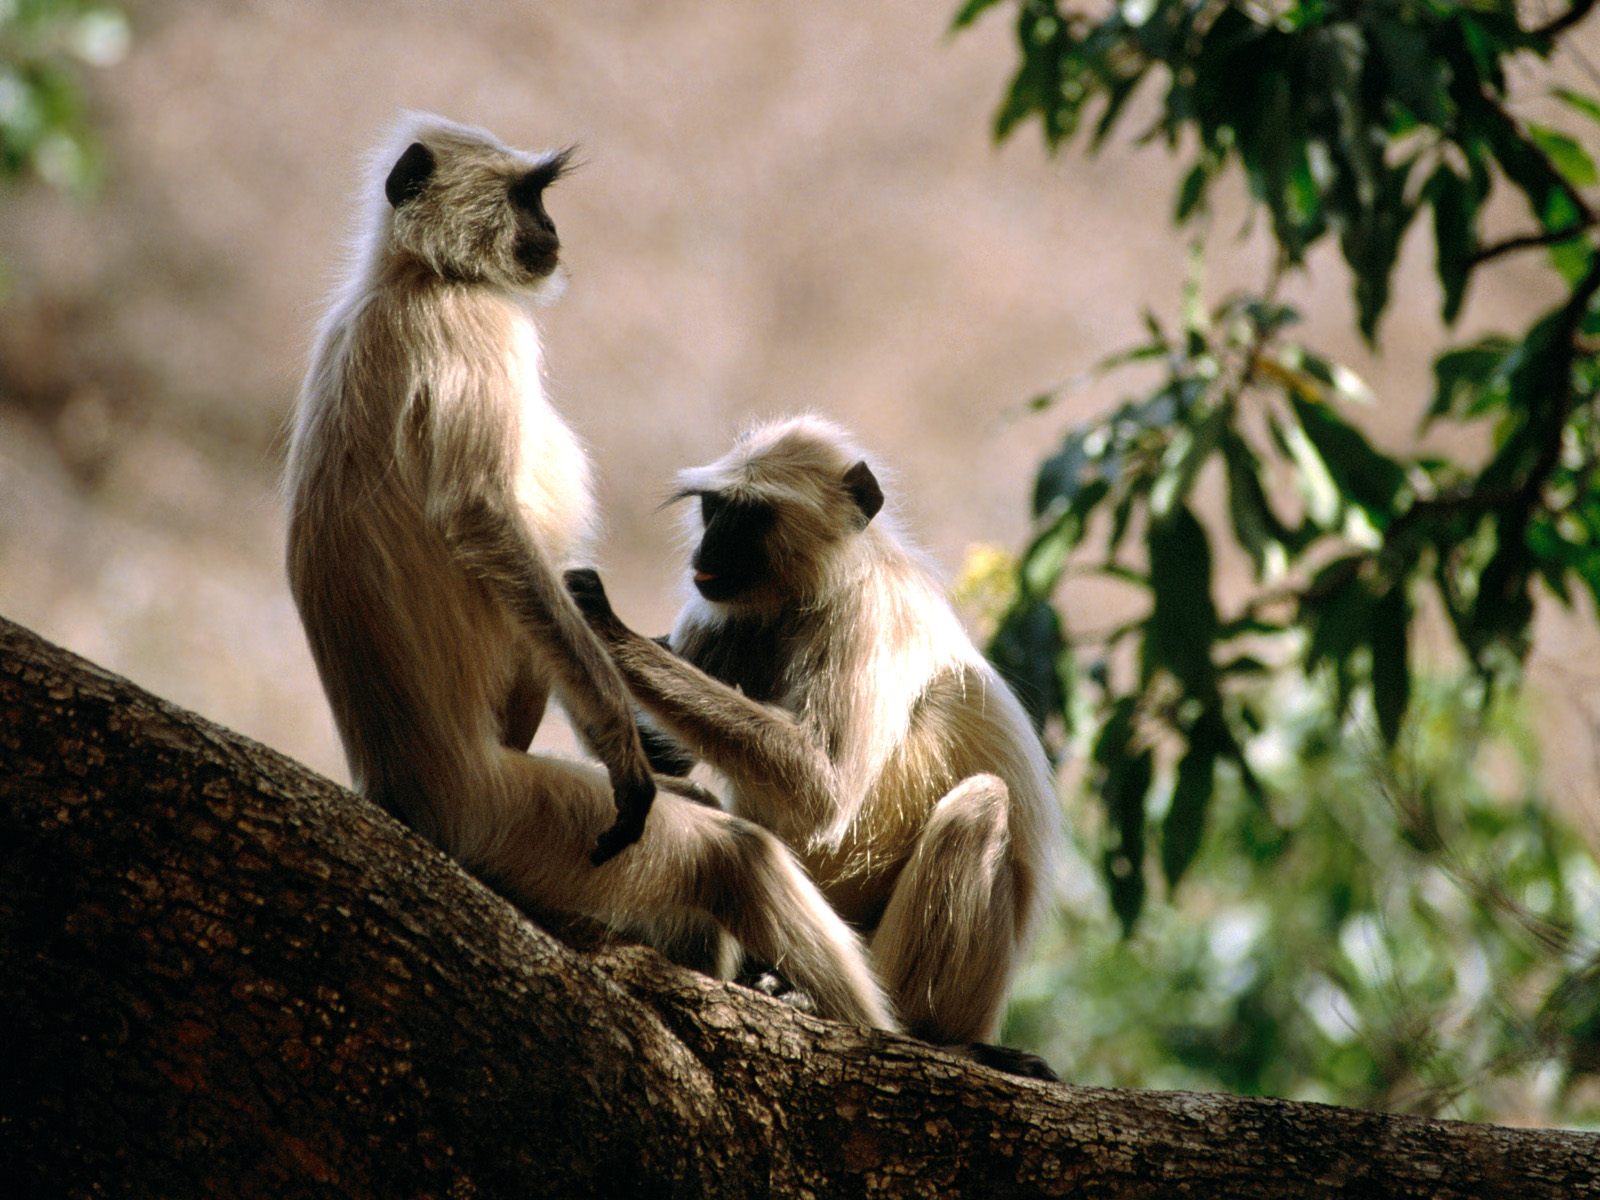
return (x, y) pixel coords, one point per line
(711, 503)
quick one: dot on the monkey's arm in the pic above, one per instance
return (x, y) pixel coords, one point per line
(781, 768)
(492, 544)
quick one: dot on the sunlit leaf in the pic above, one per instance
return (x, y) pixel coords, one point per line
(1369, 478)
(1565, 154)
(1254, 523)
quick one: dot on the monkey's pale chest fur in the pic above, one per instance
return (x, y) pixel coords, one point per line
(551, 474)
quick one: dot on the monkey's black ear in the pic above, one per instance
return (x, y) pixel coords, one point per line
(410, 171)
(863, 487)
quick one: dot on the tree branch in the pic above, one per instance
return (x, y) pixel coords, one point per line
(1530, 241)
(224, 976)
(1559, 25)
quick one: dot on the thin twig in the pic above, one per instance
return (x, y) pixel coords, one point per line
(1528, 241)
(1586, 214)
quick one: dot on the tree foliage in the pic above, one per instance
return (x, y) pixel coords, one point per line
(1370, 914)
(1348, 121)
(45, 128)
(1413, 938)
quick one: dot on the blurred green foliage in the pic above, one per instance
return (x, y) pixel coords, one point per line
(44, 121)
(1403, 932)
(1369, 107)
(1349, 122)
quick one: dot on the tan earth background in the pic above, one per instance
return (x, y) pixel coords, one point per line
(783, 206)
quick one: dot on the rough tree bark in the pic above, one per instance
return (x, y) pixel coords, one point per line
(226, 976)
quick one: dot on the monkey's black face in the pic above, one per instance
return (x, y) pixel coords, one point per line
(537, 246)
(733, 556)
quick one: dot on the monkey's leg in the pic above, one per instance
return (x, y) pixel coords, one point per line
(495, 546)
(690, 856)
(946, 946)
(692, 939)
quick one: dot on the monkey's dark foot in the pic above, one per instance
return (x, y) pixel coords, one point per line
(1004, 1058)
(589, 594)
(633, 806)
(769, 983)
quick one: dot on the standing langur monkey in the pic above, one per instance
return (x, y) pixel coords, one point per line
(434, 491)
(822, 672)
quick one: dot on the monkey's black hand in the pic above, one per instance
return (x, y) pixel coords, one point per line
(634, 798)
(589, 594)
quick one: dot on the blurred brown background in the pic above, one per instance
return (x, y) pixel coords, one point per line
(784, 206)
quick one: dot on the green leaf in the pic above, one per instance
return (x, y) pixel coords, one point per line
(1122, 775)
(1391, 674)
(1520, 158)
(1338, 609)
(1061, 475)
(1373, 229)
(1183, 618)
(1554, 556)
(1455, 220)
(1193, 192)
(1046, 557)
(1118, 93)
(1587, 557)
(1040, 86)
(1191, 795)
(971, 11)
(1416, 75)
(1587, 105)
(1470, 379)
(1032, 656)
(1565, 154)
(1323, 503)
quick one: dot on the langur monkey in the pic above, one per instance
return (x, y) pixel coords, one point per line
(434, 493)
(821, 671)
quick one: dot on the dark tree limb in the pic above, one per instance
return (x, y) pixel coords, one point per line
(1530, 241)
(1556, 26)
(225, 976)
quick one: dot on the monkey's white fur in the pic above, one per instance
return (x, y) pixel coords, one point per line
(434, 491)
(869, 733)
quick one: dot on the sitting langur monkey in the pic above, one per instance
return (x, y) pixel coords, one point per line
(822, 672)
(434, 491)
